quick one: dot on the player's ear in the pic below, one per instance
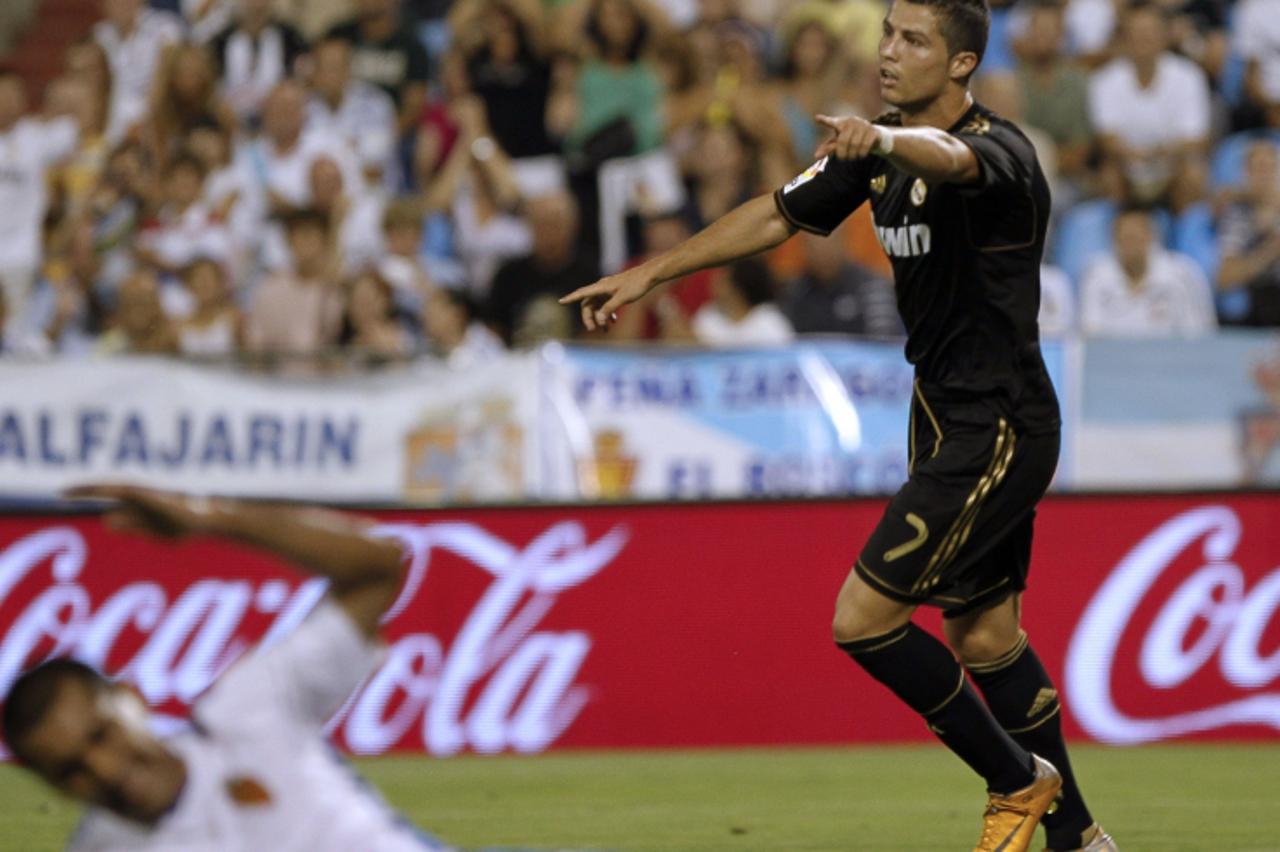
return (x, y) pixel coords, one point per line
(962, 65)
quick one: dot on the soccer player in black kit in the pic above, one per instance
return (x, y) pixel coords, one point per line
(961, 207)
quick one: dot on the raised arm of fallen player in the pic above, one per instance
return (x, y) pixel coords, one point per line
(364, 572)
(751, 227)
(926, 152)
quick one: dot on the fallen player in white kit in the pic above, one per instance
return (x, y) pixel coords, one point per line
(255, 771)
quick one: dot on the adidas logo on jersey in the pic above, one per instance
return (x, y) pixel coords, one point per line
(905, 240)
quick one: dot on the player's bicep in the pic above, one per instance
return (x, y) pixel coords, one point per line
(823, 195)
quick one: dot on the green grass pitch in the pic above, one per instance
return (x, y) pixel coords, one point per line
(1175, 798)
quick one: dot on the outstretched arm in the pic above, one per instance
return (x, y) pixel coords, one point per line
(364, 572)
(925, 152)
(750, 228)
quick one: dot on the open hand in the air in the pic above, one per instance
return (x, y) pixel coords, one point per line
(853, 138)
(160, 513)
(601, 300)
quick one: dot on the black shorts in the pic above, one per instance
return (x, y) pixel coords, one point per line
(958, 533)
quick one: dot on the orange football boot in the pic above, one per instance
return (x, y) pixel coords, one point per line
(1010, 821)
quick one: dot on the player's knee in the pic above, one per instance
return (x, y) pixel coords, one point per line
(980, 646)
(850, 625)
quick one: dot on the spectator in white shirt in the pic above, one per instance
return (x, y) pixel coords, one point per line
(475, 184)
(134, 38)
(28, 148)
(1257, 41)
(187, 228)
(1057, 317)
(355, 220)
(1142, 290)
(255, 770)
(454, 333)
(254, 53)
(1150, 108)
(742, 311)
(281, 159)
(228, 191)
(215, 327)
(360, 113)
(402, 263)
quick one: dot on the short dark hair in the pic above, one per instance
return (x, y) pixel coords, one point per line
(32, 695)
(964, 24)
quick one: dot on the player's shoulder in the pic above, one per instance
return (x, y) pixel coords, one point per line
(982, 123)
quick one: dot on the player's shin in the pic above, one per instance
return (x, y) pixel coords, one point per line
(921, 671)
(1023, 699)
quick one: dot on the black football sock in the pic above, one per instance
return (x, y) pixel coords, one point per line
(922, 672)
(1023, 699)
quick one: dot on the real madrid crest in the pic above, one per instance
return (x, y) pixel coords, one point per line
(919, 191)
(877, 184)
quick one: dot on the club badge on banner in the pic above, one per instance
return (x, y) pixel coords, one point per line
(815, 418)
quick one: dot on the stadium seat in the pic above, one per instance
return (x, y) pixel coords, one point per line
(1232, 82)
(1227, 166)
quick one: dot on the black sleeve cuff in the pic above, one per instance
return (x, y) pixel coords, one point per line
(792, 220)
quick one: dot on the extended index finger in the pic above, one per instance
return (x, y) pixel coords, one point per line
(828, 121)
(597, 289)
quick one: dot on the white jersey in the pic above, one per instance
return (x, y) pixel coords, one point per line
(260, 773)
(27, 150)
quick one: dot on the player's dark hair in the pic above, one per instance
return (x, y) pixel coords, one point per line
(751, 278)
(964, 24)
(32, 695)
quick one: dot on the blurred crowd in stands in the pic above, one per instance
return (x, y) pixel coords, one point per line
(383, 179)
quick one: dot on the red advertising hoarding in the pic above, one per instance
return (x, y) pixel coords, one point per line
(675, 625)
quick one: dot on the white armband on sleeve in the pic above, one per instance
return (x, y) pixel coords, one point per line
(884, 143)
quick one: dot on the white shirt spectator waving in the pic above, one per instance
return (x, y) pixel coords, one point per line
(28, 147)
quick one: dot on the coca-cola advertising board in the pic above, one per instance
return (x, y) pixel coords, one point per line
(522, 629)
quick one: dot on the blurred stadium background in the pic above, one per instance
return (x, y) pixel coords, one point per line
(311, 251)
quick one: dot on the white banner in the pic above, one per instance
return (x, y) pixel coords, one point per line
(421, 434)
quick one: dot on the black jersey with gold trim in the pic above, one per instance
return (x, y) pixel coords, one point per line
(966, 260)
